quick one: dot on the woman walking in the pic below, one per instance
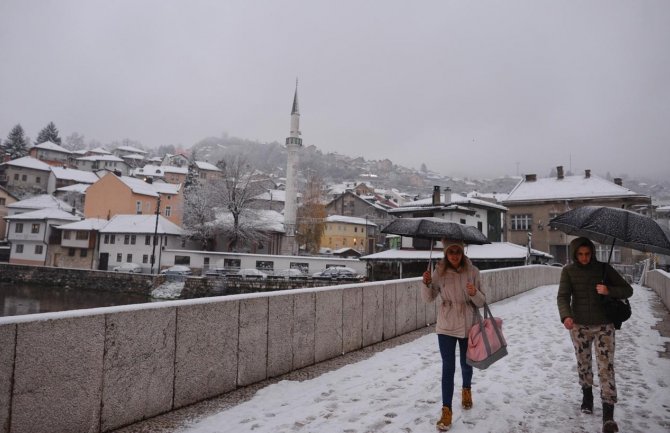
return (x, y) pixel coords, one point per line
(456, 281)
(581, 312)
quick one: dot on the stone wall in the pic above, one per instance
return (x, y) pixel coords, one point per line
(79, 371)
(659, 281)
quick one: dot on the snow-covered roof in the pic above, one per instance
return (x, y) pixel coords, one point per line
(130, 149)
(349, 220)
(141, 224)
(202, 165)
(492, 251)
(85, 224)
(80, 152)
(79, 176)
(166, 188)
(570, 187)
(138, 186)
(111, 158)
(149, 170)
(100, 151)
(174, 169)
(497, 196)
(457, 199)
(29, 162)
(45, 214)
(272, 195)
(77, 187)
(42, 201)
(48, 145)
(137, 156)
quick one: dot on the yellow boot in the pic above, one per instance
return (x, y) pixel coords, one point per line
(466, 398)
(445, 422)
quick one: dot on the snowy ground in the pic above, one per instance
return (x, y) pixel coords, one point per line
(534, 389)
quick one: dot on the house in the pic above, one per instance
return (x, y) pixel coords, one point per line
(122, 151)
(350, 204)
(178, 160)
(349, 232)
(121, 195)
(42, 201)
(265, 226)
(102, 162)
(74, 195)
(6, 198)
(272, 199)
(487, 216)
(534, 201)
(25, 176)
(154, 172)
(129, 239)
(62, 176)
(51, 153)
(172, 174)
(208, 172)
(30, 235)
(78, 247)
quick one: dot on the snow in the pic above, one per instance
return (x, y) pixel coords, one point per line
(130, 149)
(141, 224)
(79, 176)
(41, 201)
(85, 224)
(49, 145)
(77, 187)
(44, 214)
(533, 389)
(168, 290)
(138, 186)
(202, 165)
(109, 158)
(570, 187)
(29, 162)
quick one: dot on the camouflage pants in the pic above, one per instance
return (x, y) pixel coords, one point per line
(602, 338)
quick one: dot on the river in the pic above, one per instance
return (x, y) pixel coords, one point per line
(17, 299)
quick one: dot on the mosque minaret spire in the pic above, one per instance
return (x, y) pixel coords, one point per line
(293, 144)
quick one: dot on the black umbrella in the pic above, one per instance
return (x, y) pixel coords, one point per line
(435, 228)
(610, 225)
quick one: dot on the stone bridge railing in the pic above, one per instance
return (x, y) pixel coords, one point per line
(99, 369)
(659, 281)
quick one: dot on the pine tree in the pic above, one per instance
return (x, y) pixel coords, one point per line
(16, 145)
(48, 133)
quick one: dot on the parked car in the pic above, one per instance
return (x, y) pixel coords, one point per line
(177, 270)
(252, 273)
(338, 273)
(131, 268)
(290, 273)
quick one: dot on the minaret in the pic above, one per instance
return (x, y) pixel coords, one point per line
(293, 144)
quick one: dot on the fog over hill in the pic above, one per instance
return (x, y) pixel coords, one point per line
(384, 173)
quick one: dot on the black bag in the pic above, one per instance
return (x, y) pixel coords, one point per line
(617, 310)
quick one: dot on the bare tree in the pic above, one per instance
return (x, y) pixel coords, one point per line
(234, 192)
(199, 215)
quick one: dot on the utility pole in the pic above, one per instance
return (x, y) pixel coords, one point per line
(153, 250)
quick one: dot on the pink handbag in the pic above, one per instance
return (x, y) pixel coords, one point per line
(486, 343)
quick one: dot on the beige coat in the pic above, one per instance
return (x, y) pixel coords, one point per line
(454, 316)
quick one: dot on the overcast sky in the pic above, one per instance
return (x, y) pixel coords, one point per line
(471, 88)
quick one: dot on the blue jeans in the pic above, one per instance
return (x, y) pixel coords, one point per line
(448, 352)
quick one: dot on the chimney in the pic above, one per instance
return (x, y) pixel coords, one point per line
(531, 177)
(436, 195)
(149, 180)
(587, 173)
(618, 181)
(447, 195)
(559, 172)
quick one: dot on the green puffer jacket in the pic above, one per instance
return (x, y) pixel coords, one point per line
(577, 296)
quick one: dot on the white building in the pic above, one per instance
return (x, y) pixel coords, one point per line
(129, 238)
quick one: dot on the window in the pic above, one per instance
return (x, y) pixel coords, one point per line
(183, 260)
(168, 211)
(119, 257)
(82, 235)
(147, 240)
(133, 238)
(83, 252)
(480, 226)
(522, 221)
(2, 201)
(603, 253)
(39, 249)
(19, 248)
(24, 177)
(126, 239)
(19, 228)
(129, 258)
(106, 239)
(138, 207)
(35, 228)
(145, 258)
(463, 221)
(16, 176)
(66, 234)
(112, 239)
(38, 179)
(70, 252)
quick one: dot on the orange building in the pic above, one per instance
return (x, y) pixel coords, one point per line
(122, 195)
